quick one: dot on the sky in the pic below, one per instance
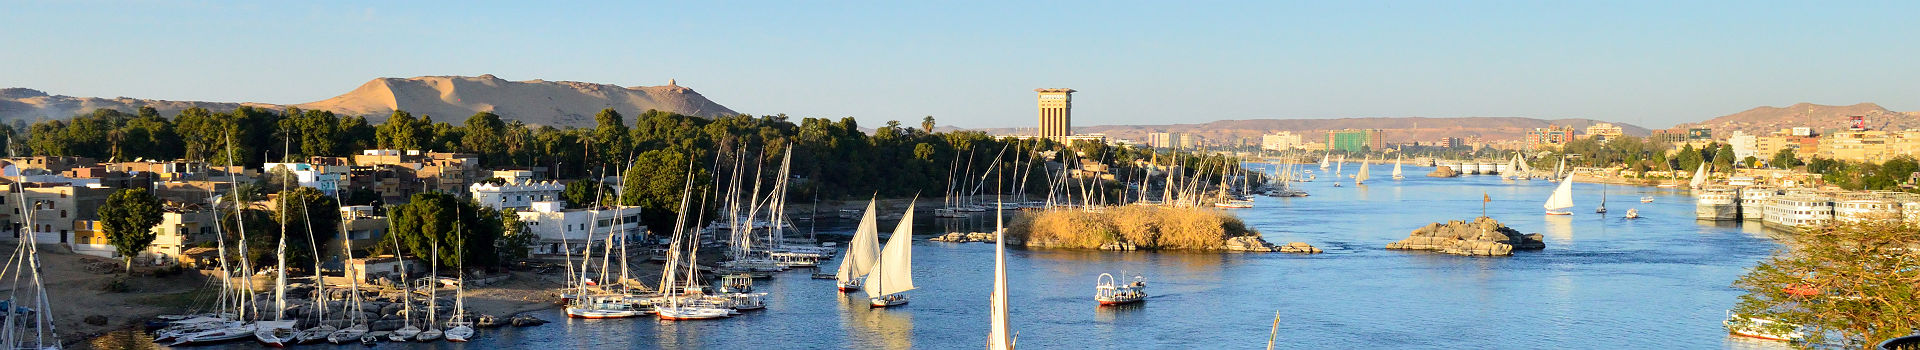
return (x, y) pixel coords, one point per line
(975, 63)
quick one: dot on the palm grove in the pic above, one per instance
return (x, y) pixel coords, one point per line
(655, 151)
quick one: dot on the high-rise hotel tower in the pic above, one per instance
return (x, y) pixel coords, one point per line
(1056, 113)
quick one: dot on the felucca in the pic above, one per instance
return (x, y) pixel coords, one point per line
(458, 327)
(1562, 198)
(1001, 336)
(1699, 177)
(861, 252)
(1397, 176)
(1603, 199)
(409, 330)
(1361, 178)
(892, 274)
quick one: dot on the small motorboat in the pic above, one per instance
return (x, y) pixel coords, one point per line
(1633, 213)
(1646, 199)
(1756, 327)
(1108, 291)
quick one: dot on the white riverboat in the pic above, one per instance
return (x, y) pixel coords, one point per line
(1754, 201)
(1860, 210)
(1717, 204)
(1799, 211)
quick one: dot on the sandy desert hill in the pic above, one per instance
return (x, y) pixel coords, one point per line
(557, 103)
(1767, 119)
(446, 98)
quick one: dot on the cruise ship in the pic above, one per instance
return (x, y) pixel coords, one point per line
(1717, 204)
(1858, 210)
(1799, 211)
(1754, 200)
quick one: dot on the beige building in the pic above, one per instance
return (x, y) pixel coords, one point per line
(1605, 131)
(1855, 145)
(1056, 113)
(1280, 141)
(178, 230)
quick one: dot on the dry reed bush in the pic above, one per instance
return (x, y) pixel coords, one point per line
(1147, 227)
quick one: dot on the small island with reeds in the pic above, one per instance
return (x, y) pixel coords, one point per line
(1137, 227)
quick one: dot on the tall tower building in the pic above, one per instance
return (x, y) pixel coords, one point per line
(1056, 113)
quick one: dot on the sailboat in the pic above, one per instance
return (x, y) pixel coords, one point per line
(29, 317)
(1001, 335)
(320, 332)
(358, 327)
(1562, 198)
(1603, 199)
(409, 330)
(892, 274)
(690, 303)
(232, 328)
(1338, 171)
(280, 331)
(432, 332)
(1559, 170)
(1397, 176)
(1323, 160)
(1699, 177)
(1361, 178)
(458, 327)
(861, 252)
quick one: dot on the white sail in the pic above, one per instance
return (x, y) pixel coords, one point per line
(1559, 169)
(1562, 197)
(1396, 166)
(1362, 176)
(1323, 160)
(893, 273)
(1699, 177)
(1001, 337)
(864, 248)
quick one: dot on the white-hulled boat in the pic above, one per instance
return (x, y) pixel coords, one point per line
(404, 334)
(604, 306)
(348, 335)
(1793, 211)
(1109, 291)
(314, 334)
(1755, 327)
(232, 331)
(1603, 200)
(1361, 178)
(1646, 199)
(459, 329)
(892, 274)
(1561, 199)
(275, 333)
(1717, 203)
(1633, 213)
(431, 334)
(1868, 209)
(1234, 204)
(1396, 169)
(861, 252)
(1754, 201)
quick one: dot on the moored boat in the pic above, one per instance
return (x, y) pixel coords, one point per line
(1717, 204)
(1761, 328)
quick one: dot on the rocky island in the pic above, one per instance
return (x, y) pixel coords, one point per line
(1482, 237)
(1128, 228)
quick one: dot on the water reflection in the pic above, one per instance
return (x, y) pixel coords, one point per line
(1559, 228)
(888, 328)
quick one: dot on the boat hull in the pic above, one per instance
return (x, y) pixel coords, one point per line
(597, 314)
(1111, 302)
(1559, 212)
(886, 302)
(1716, 212)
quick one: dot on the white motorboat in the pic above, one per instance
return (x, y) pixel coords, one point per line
(1756, 327)
(1109, 291)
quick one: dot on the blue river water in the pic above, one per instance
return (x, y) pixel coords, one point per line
(1604, 282)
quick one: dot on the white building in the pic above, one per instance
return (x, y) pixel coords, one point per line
(559, 228)
(1280, 141)
(326, 178)
(519, 195)
(1744, 146)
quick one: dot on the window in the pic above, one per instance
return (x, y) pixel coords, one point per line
(63, 213)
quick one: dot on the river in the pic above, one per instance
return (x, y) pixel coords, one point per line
(1603, 282)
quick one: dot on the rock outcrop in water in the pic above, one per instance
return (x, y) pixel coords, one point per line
(1443, 171)
(1482, 237)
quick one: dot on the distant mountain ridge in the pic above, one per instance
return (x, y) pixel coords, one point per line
(1397, 129)
(447, 98)
(1766, 119)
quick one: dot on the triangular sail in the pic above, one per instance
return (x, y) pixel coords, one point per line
(1362, 177)
(893, 273)
(864, 248)
(1396, 166)
(1563, 196)
(1699, 177)
(1001, 337)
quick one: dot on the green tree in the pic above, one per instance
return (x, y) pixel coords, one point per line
(1723, 158)
(581, 193)
(1851, 279)
(465, 233)
(927, 124)
(1785, 159)
(486, 135)
(656, 182)
(610, 137)
(128, 219)
(402, 131)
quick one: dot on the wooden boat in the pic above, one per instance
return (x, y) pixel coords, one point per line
(892, 273)
(1561, 199)
(274, 333)
(348, 335)
(1109, 291)
(861, 252)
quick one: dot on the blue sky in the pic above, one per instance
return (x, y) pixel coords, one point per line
(975, 64)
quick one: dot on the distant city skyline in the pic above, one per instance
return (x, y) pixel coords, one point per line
(975, 65)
